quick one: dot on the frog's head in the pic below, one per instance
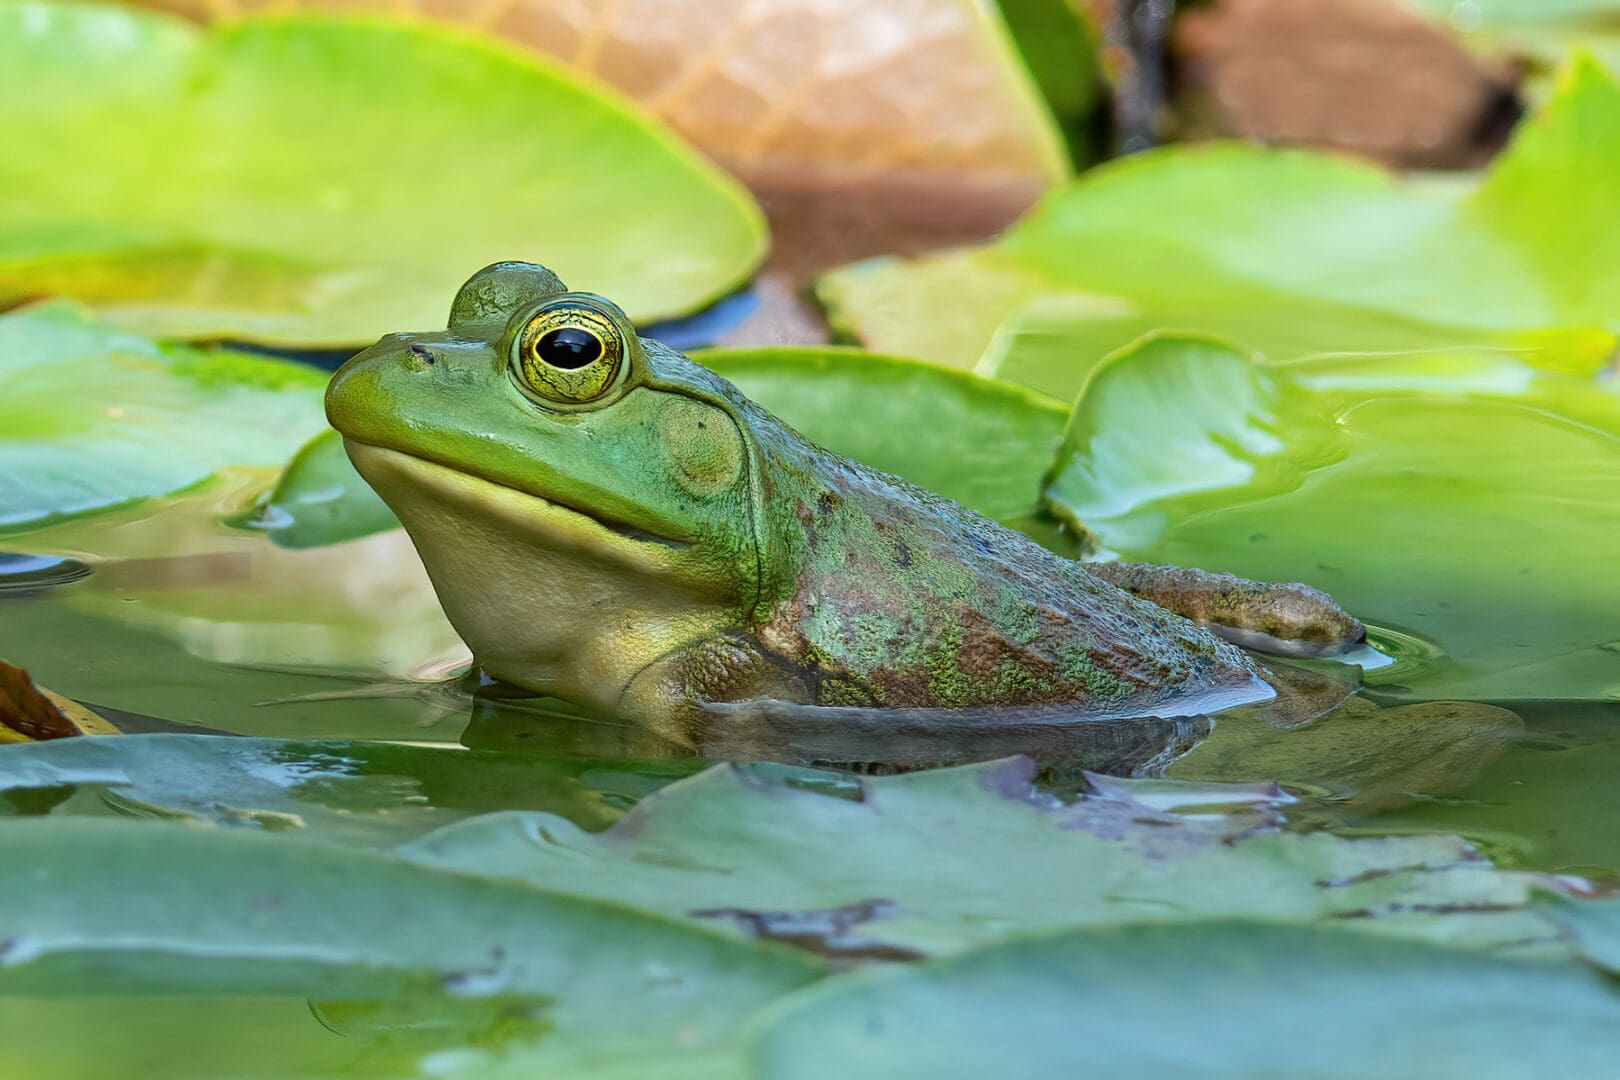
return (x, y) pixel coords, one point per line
(583, 499)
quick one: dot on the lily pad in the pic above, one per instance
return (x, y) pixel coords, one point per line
(937, 861)
(1463, 499)
(159, 185)
(1287, 252)
(94, 417)
(1198, 1000)
(131, 907)
(831, 93)
(983, 443)
(368, 793)
(320, 499)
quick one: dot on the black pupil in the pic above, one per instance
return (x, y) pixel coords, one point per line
(568, 347)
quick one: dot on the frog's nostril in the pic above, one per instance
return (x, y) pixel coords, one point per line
(422, 353)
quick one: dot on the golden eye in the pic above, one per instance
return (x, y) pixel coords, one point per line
(570, 353)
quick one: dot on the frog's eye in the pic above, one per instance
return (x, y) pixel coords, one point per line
(570, 353)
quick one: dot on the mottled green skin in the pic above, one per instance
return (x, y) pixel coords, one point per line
(898, 597)
(723, 557)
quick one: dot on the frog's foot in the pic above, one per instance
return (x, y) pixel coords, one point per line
(1284, 620)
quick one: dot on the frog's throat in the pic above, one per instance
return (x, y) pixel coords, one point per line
(546, 597)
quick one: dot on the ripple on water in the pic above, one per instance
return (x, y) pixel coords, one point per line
(21, 572)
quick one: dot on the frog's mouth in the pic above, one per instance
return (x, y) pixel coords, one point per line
(418, 489)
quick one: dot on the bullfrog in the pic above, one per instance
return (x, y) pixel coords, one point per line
(608, 522)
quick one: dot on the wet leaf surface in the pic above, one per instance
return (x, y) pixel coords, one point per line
(161, 190)
(1461, 499)
(1227, 999)
(951, 858)
(1287, 252)
(367, 793)
(199, 910)
(1594, 926)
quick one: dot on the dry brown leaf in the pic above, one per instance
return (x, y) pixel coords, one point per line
(1372, 77)
(29, 713)
(791, 94)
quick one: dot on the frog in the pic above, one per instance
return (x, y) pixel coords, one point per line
(608, 522)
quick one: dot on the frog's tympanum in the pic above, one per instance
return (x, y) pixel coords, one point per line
(610, 523)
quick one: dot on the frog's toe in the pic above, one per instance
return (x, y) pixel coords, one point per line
(1292, 619)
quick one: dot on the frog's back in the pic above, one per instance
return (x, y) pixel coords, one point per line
(906, 599)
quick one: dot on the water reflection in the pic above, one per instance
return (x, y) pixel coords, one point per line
(850, 739)
(1347, 755)
(188, 625)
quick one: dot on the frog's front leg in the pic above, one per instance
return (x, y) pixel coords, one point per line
(1285, 620)
(668, 695)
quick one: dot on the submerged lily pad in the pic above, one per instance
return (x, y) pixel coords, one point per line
(316, 182)
(93, 417)
(1199, 1000)
(1287, 252)
(1464, 499)
(1361, 757)
(937, 861)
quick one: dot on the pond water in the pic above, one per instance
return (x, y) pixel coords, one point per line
(186, 624)
(165, 619)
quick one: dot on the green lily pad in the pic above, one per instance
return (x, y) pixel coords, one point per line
(1061, 50)
(1464, 499)
(1240, 1001)
(980, 442)
(94, 417)
(320, 182)
(983, 443)
(1287, 252)
(320, 499)
(114, 906)
(938, 861)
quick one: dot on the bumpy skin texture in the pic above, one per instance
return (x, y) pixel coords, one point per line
(673, 545)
